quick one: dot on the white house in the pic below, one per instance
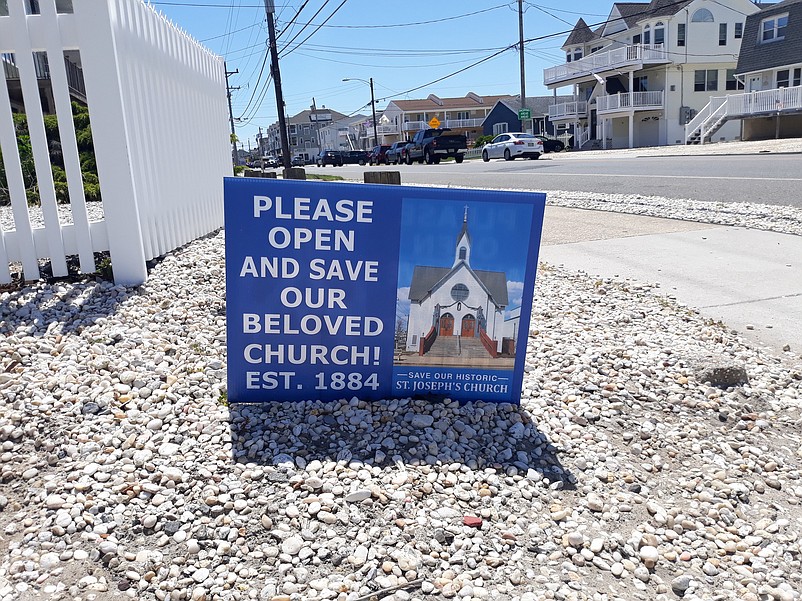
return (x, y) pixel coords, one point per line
(642, 75)
(457, 301)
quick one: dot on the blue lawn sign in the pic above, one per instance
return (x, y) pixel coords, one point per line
(337, 290)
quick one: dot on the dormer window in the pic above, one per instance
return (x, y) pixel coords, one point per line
(577, 53)
(659, 33)
(702, 16)
(773, 28)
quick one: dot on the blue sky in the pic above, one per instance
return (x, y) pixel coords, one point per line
(401, 45)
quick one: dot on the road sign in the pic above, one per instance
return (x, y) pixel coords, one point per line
(434, 122)
(524, 114)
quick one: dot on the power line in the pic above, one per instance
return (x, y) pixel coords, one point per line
(413, 24)
(334, 12)
(305, 25)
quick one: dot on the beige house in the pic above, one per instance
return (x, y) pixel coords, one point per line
(403, 118)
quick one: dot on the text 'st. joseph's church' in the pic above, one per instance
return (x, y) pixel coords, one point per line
(458, 311)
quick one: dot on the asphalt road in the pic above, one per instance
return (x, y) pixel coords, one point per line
(761, 178)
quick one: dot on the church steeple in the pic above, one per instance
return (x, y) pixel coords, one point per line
(462, 253)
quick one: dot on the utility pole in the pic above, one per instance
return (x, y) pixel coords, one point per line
(270, 8)
(521, 48)
(234, 155)
(373, 107)
(261, 152)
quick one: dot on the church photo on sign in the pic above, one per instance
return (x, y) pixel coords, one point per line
(461, 277)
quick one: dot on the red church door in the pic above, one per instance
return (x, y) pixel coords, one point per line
(446, 325)
(468, 326)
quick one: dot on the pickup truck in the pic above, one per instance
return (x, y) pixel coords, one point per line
(431, 145)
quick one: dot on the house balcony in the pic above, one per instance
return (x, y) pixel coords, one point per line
(415, 126)
(568, 111)
(627, 102)
(626, 57)
(386, 129)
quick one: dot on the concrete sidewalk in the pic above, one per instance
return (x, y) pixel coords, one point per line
(749, 279)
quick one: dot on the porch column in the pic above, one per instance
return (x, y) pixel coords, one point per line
(604, 132)
(632, 129)
(632, 109)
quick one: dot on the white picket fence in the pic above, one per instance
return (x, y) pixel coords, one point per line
(158, 111)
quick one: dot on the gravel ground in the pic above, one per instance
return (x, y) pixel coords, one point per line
(654, 455)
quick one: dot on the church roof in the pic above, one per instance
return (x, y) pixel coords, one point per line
(424, 278)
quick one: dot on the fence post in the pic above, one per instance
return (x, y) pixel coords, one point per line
(110, 134)
(38, 136)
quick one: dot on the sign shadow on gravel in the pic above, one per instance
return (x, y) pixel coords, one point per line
(478, 435)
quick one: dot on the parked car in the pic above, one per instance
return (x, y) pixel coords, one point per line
(356, 157)
(431, 145)
(298, 161)
(551, 144)
(512, 145)
(395, 152)
(271, 161)
(379, 154)
(329, 157)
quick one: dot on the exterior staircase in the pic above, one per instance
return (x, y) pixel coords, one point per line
(457, 346)
(707, 122)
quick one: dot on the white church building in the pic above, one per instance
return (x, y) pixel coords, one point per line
(457, 304)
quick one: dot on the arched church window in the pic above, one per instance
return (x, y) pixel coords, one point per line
(463, 253)
(460, 292)
(702, 16)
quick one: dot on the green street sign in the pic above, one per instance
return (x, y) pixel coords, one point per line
(524, 114)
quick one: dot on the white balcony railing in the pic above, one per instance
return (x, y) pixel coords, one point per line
(451, 123)
(415, 125)
(603, 61)
(639, 101)
(386, 129)
(737, 106)
(457, 123)
(568, 110)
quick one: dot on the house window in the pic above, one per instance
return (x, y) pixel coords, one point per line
(596, 49)
(659, 33)
(773, 29)
(500, 128)
(783, 77)
(732, 83)
(463, 115)
(739, 31)
(647, 35)
(577, 53)
(681, 34)
(640, 84)
(636, 38)
(797, 76)
(293, 129)
(293, 141)
(568, 57)
(702, 16)
(705, 80)
(722, 34)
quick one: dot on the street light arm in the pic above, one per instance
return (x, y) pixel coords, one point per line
(372, 105)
